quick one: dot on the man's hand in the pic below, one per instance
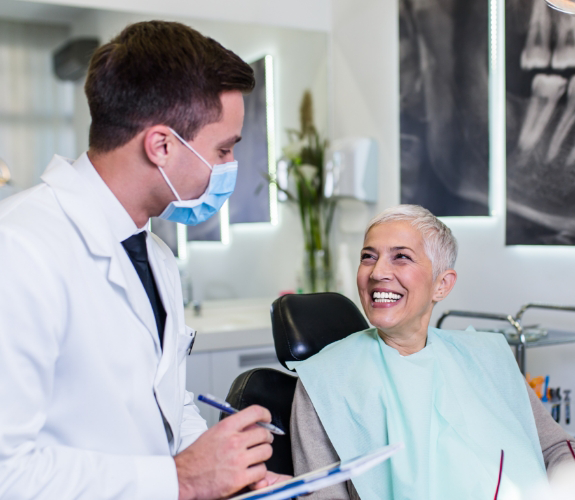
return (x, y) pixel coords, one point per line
(269, 479)
(226, 458)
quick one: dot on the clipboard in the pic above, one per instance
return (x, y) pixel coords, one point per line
(324, 477)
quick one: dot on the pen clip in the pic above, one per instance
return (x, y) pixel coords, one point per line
(193, 335)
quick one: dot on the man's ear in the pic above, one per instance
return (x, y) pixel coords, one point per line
(158, 144)
(444, 284)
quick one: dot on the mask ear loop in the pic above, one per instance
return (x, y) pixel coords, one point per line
(169, 183)
(191, 148)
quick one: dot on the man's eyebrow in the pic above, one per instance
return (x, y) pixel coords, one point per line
(228, 143)
(369, 249)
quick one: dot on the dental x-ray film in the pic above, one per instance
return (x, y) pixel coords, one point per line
(444, 105)
(540, 80)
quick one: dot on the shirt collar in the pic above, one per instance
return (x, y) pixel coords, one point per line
(118, 219)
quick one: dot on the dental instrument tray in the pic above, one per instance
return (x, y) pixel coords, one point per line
(521, 337)
(532, 333)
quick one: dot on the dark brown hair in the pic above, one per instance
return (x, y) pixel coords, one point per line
(159, 72)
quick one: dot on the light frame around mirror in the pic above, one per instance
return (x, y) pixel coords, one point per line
(224, 214)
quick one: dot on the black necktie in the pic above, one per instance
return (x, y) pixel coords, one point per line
(135, 247)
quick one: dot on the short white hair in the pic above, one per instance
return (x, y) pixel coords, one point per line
(439, 243)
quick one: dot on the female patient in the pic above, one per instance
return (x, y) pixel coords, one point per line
(455, 399)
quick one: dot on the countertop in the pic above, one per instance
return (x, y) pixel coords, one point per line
(231, 324)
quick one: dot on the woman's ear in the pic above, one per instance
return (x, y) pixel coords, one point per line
(444, 284)
(157, 144)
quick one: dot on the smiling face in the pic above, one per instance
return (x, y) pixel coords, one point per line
(395, 280)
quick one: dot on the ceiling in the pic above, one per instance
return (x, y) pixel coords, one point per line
(38, 12)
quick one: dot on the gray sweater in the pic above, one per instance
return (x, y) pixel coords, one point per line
(312, 449)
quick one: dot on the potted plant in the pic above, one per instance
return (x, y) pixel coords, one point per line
(304, 160)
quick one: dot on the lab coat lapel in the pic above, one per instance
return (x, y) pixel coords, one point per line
(76, 200)
(167, 376)
(166, 288)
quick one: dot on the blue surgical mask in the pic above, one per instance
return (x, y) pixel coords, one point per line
(220, 188)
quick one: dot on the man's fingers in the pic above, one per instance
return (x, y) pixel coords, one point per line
(270, 479)
(255, 474)
(257, 435)
(260, 484)
(247, 417)
(258, 454)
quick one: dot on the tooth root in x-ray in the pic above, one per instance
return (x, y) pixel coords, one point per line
(565, 125)
(564, 53)
(571, 158)
(546, 90)
(537, 50)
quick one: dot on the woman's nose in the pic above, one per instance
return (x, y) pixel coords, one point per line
(381, 272)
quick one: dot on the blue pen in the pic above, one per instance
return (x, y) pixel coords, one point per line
(226, 407)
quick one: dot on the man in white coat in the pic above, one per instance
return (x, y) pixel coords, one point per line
(92, 349)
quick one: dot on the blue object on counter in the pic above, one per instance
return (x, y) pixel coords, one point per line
(545, 399)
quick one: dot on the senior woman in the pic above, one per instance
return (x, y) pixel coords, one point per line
(455, 399)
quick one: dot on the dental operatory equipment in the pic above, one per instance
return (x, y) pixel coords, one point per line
(536, 384)
(519, 336)
(555, 403)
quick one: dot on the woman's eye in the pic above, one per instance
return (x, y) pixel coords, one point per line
(225, 152)
(365, 256)
(402, 256)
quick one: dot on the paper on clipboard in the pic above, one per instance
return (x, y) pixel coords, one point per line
(324, 477)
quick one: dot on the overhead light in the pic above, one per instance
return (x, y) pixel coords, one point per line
(566, 6)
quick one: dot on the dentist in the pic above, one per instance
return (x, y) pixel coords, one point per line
(92, 336)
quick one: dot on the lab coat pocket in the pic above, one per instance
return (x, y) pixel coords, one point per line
(185, 343)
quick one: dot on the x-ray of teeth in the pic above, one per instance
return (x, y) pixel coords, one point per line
(540, 124)
(565, 124)
(546, 91)
(564, 52)
(444, 105)
(537, 50)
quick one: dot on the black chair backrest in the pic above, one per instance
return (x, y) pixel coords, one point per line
(304, 324)
(273, 390)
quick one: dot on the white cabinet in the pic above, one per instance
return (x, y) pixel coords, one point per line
(214, 371)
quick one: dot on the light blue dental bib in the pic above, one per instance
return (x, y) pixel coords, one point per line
(455, 405)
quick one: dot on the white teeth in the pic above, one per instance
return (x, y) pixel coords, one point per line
(386, 297)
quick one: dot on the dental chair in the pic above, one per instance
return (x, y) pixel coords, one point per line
(302, 325)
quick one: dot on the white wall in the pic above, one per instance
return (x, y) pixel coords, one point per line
(301, 14)
(492, 277)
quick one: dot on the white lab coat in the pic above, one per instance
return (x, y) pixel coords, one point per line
(82, 375)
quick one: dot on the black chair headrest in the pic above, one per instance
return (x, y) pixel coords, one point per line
(304, 324)
(273, 390)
